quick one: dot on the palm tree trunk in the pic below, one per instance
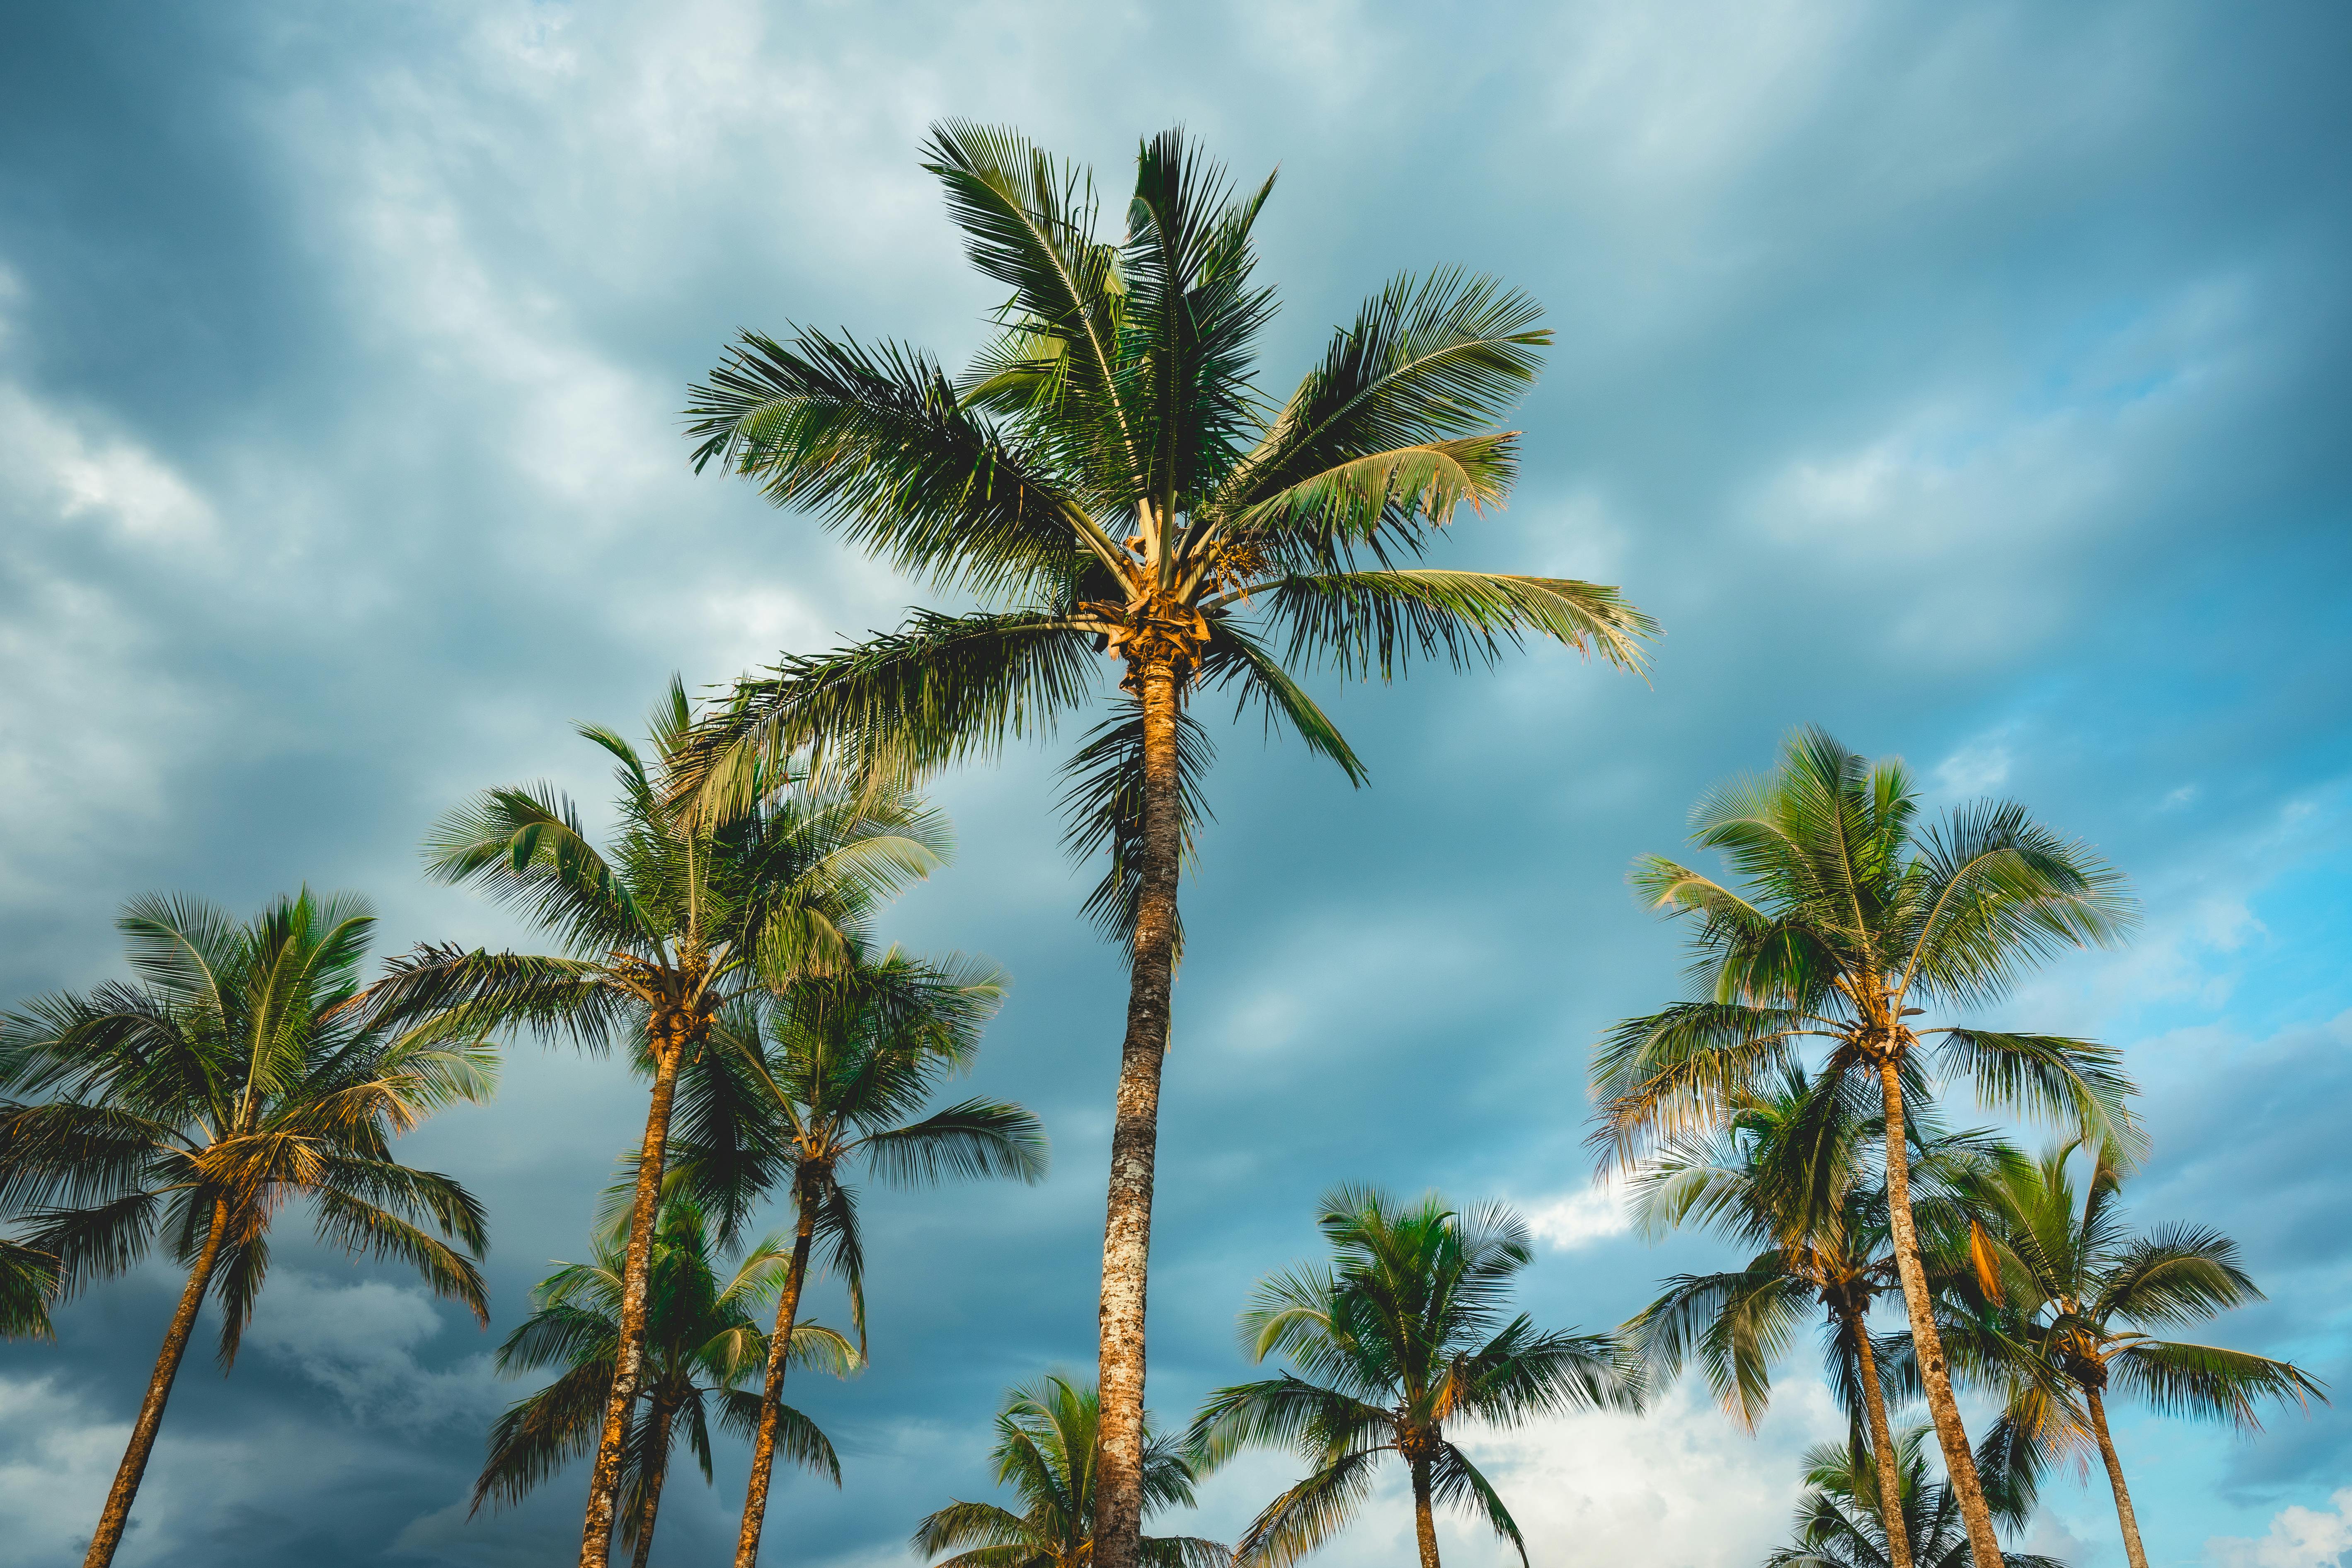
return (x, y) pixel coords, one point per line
(117, 1515)
(1425, 1522)
(655, 1469)
(628, 1365)
(771, 1392)
(2132, 1547)
(1134, 1133)
(1934, 1373)
(1881, 1446)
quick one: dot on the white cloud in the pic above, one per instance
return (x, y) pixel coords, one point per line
(2299, 1538)
(1578, 1217)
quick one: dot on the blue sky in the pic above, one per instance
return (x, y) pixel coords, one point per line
(1971, 380)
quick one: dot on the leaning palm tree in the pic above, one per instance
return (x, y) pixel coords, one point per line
(2078, 1293)
(1046, 1451)
(1402, 1335)
(703, 1340)
(1842, 1520)
(679, 916)
(1853, 914)
(1793, 1175)
(831, 1074)
(229, 1079)
(1108, 480)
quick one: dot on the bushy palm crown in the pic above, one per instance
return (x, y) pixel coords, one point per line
(1840, 1524)
(232, 1077)
(1852, 915)
(1105, 478)
(1795, 1174)
(677, 915)
(703, 1338)
(1046, 1452)
(2075, 1293)
(1404, 1333)
(836, 1071)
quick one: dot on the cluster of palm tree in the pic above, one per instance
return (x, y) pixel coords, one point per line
(1110, 499)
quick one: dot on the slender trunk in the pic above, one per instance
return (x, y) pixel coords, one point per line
(771, 1392)
(1881, 1447)
(2132, 1548)
(1127, 1222)
(117, 1515)
(656, 1471)
(1934, 1373)
(1425, 1522)
(628, 1365)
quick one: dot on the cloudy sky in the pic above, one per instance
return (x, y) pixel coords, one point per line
(1970, 380)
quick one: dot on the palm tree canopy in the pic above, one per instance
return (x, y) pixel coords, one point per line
(2074, 1291)
(231, 1076)
(1839, 1523)
(1847, 914)
(703, 1340)
(1044, 1451)
(1404, 1332)
(1107, 479)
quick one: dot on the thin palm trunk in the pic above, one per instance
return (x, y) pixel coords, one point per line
(1126, 1224)
(117, 1516)
(1882, 1446)
(1424, 1521)
(657, 1468)
(628, 1364)
(1934, 1373)
(2132, 1547)
(772, 1393)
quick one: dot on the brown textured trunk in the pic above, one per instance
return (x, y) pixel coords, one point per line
(1934, 1373)
(771, 1392)
(1424, 1521)
(117, 1515)
(1127, 1221)
(657, 1466)
(1881, 1446)
(2132, 1548)
(628, 1365)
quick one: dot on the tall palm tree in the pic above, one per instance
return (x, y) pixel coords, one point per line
(702, 1342)
(1793, 1175)
(1843, 1519)
(1046, 1450)
(1401, 1336)
(1853, 914)
(831, 1074)
(2079, 1292)
(231, 1076)
(680, 915)
(1108, 480)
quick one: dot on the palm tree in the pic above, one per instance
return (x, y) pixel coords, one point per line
(28, 1280)
(231, 1076)
(1792, 1174)
(1046, 1450)
(683, 915)
(1843, 1521)
(1108, 480)
(1851, 914)
(702, 1342)
(1403, 1334)
(2077, 1293)
(831, 1073)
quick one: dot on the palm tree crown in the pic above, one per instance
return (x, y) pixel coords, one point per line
(233, 1076)
(2075, 1293)
(1403, 1334)
(1107, 480)
(1842, 1518)
(1044, 1451)
(703, 1339)
(1853, 917)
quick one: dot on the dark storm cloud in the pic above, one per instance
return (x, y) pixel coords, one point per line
(1969, 382)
